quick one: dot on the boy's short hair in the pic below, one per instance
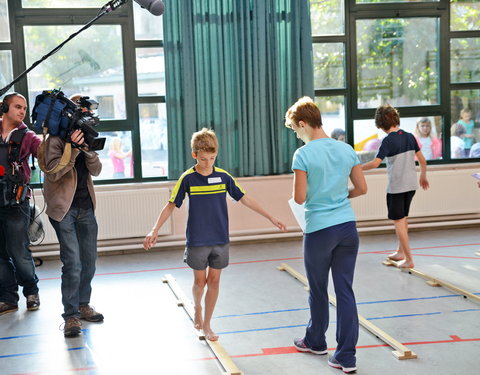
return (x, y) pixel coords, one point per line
(386, 117)
(204, 140)
(457, 130)
(305, 110)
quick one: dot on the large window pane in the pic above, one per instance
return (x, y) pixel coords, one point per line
(4, 22)
(6, 73)
(63, 3)
(150, 71)
(116, 157)
(81, 66)
(332, 109)
(146, 26)
(154, 141)
(427, 130)
(465, 130)
(397, 62)
(465, 60)
(329, 69)
(464, 15)
(327, 17)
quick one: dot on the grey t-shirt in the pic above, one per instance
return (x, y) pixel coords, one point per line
(399, 148)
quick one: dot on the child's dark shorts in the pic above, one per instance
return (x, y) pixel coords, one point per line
(399, 204)
(199, 257)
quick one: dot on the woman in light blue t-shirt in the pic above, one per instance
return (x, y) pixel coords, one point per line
(322, 169)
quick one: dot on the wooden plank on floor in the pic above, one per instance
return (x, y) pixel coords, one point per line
(432, 281)
(400, 352)
(222, 356)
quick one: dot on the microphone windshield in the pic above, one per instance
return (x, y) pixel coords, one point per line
(155, 7)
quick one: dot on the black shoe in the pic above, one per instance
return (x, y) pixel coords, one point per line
(73, 327)
(33, 302)
(6, 308)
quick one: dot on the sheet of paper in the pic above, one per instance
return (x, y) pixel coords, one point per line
(299, 213)
(476, 175)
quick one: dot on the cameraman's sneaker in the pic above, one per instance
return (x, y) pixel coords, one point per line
(33, 302)
(334, 363)
(72, 327)
(89, 314)
(302, 347)
(6, 308)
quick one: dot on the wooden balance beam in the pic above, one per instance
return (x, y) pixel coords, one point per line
(400, 352)
(182, 301)
(432, 281)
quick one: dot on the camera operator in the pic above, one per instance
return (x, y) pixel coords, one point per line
(17, 267)
(70, 199)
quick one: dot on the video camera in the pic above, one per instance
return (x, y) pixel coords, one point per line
(61, 117)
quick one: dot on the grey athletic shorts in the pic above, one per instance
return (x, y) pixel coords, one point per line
(199, 257)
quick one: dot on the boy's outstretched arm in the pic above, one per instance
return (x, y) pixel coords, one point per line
(358, 181)
(371, 164)
(423, 170)
(255, 206)
(152, 236)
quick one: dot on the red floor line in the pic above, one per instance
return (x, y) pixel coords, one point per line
(282, 259)
(292, 350)
(59, 371)
(444, 256)
(177, 268)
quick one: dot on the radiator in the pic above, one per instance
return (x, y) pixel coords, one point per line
(451, 192)
(120, 214)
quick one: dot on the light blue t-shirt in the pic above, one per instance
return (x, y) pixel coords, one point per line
(328, 164)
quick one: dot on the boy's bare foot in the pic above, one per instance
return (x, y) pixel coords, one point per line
(198, 323)
(209, 334)
(405, 264)
(395, 256)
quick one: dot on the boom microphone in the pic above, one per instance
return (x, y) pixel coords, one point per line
(155, 7)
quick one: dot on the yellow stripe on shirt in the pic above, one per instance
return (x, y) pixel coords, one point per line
(208, 192)
(207, 188)
(177, 185)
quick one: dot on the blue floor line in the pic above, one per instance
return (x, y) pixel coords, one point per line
(35, 353)
(252, 330)
(358, 303)
(334, 322)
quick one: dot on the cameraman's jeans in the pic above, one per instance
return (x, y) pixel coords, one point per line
(16, 262)
(77, 235)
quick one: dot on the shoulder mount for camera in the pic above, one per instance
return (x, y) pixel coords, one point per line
(65, 159)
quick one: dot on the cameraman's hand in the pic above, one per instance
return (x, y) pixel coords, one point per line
(77, 137)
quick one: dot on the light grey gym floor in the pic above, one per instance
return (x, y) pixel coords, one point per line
(259, 312)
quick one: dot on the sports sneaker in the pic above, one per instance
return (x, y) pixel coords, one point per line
(89, 314)
(302, 347)
(72, 327)
(6, 308)
(334, 363)
(33, 302)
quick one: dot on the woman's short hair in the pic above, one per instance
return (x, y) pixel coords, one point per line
(305, 110)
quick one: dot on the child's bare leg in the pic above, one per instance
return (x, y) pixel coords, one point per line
(401, 230)
(200, 280)
(213, 284)
(400, 253)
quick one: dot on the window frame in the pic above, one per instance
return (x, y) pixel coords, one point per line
(441, 10)
(123, 17)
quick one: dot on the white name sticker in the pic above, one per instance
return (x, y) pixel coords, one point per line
(214, 180)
